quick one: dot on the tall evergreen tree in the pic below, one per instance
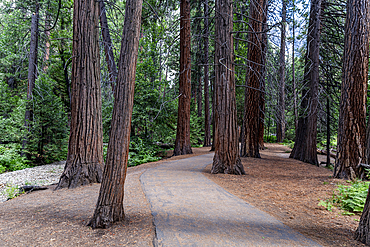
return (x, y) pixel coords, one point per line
(226, 159)
(254, 98)
(305, 146)
(85, 162)
(182, 143)
(109, 208)
(352, 116)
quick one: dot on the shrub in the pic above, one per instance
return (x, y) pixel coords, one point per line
(351, 198)
(10, 158)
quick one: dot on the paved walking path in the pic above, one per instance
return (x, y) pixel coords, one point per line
(191, 210)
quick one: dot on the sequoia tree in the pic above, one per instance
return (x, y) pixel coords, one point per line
(352, 115)
(226, 159)
(182, 143)
(85, 162)
(280, 125)
(207, 125)
(254, 98)
(109, 207)
(305, 141)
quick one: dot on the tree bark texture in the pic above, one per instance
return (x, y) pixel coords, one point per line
(109, 208)
(280, 125)
(263, 79)
(85, 162)
(182, 143)
(352, 115)
(254, 80)
(363, 230)
(32, 73)
(207, 126)
(305, 142)
(107, 42)
(226, 159)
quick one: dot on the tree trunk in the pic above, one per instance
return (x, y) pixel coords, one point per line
(293, 74)
(226, 159)
(182, 143)
(280, 126)
(207, 126)
(108, 46)
(32, 74)
(305, 142)
(85, 149)
(254, 79)
(47, 44)
(352, 115)
(263, 79)
(362, 233)
(109, 207)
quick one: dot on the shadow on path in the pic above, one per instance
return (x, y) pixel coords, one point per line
(191, 210)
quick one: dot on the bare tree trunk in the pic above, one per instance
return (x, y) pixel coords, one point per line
(85, 162)
(263, 79)
(207, 126)
(352, 115)
(32, 73)
(305, 148)
(108, 46)
(293, 75)
(182, 143)
(47, 45)
(109, 207)
(280, 125)
(226, 159)
(254, 79)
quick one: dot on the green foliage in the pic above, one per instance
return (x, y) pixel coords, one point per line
(142, 152)
(48, 138)
(351, 198)
(269, 139)
(10, 158)
(11, 192)
(288, 143)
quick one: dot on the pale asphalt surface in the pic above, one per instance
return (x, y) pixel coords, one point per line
(191, 210)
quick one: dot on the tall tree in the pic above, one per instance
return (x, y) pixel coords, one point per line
(254, 82)
(280, 125)
(32, 71)
(182, 143)
(226, 159)
(85, 162)
(107, 42)
(109, 207)
(207, 126)
(305, 148)
(352, 115)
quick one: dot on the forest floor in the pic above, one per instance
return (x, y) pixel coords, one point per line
(290, 190)
(285, 188)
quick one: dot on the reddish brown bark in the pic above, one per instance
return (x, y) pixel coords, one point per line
(109, 208)
(305, 147)
(352, 115)
(253, 104)
(226, 159)
(182, 143)
(280, 123)
(207, 126)
(85, 162)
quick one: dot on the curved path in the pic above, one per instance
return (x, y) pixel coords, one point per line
(191, 210)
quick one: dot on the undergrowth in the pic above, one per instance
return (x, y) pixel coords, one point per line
(10, 158)
(350, 198)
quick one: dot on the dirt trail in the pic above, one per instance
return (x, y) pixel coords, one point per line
(290, 190)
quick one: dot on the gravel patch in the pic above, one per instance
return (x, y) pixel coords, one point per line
(39, 175)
